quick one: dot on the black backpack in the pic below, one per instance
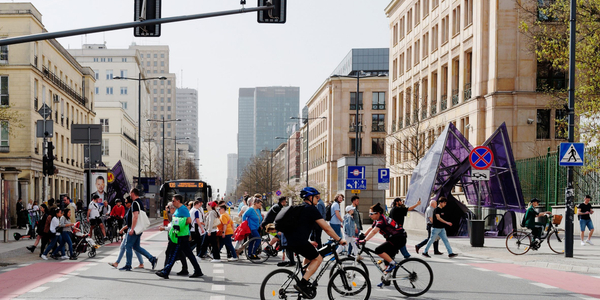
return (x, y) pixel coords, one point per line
(328, 212)
(287, 219)
(523, 220)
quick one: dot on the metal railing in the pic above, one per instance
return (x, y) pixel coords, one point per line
(353, 107)
(467, 92)
(35, 61)
(35, 103)
(63, 85)
(444, 103)
(454, 97)
(377, 107)
(433, 107)
(130, 138)
(4, 149)
(377, 128)
(550, 83)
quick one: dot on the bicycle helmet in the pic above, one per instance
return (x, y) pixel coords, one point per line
(308, 191)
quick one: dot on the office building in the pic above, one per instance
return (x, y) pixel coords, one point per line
(232, 159)
(187, 112)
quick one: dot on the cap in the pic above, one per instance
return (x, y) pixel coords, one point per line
(212, 204)
(349, 208)
(534, 200)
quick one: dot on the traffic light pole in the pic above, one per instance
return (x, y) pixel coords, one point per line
(44, 153)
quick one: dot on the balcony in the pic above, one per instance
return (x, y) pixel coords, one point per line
(467, 92)
(353, 107)
(377, 107)
(63, 86)
(35, 61)
(433, 107)
(377, 128)
(353, 128)
(394, 126)
(35, 103)
(132, 140)
(4, 149)
(407, 122)
(454, 97)
(444, 103)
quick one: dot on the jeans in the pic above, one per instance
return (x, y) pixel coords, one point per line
(133, 243)
(122, 251)
(424, 242)
(226, 241)
(53, 242)
(255, 244)
(337, 228)
(404, 252)
(441, 232)
(66, 239)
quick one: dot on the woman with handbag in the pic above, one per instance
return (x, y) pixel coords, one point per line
(254, 217)
(227, 233)
(212, 223)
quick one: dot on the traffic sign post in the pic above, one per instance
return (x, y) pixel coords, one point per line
(571, 154)
(356, 172)
(481, 159)
(356, 184)
(383, 179)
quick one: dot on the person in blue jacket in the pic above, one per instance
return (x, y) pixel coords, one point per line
(254, 217)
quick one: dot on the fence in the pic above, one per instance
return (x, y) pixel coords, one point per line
(541, 177)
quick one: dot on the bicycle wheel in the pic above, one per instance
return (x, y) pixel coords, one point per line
(260, 251)
(279, 284)
(350, 262)
(351, 283)
(518, 242)
(412, 277)
(98, 235)
(556, 241)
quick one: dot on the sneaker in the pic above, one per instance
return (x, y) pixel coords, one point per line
(216, 261)
(417, 248)
(154, 261)
(282, 264)
(125, 268)
(196, 274)
(253, 257)
(161, 274)
(183, 273)
(582, 243)
(390, 268)
(438, 253)
(31, 248)
(232, 259)
(44, 257)
(305, 289)
(380, 285)
(425, 254)
(451, 255)
(73, 258)
(64, 257)
(589, 242)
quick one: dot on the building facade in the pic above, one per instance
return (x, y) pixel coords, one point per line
(245, 138)
(463, 62)
(232, 159)
(187, 112)
(32, 75)
(331, 115)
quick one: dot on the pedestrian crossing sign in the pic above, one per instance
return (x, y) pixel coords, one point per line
(571, 154)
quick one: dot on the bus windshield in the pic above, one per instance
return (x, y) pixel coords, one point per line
(189, 189)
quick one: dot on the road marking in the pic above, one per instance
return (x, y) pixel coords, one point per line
(218, 271)
(217, 265)
(510, 276)
(460, 264)
(584, 297)
(7, 270)
(83, 269)
(218, 287)
(60, 279)
(217, 297)
(482, 269)
(596, 277)
(543, 285)
(39, 289)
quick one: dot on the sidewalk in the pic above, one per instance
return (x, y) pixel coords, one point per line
(586, 259)
(14, 251)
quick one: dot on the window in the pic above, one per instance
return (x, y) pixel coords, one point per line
(97, 74)
(401, 65)
(105, 147)
(123, 73)
(155, 108)
(378, 146)
(395, 69)
(168, 125)
(147, 55)
(123, 90)
(147, 63)
(4, 91)
(169, 99)
(155, 63)
(378, 123)
(561, 122)
(124, 59)
(543, 124)
(162, 55)
(425, 8)
(97, 90)
(109, 90)
(469, 12)
(109, 74)
(168, 108)
(549, 78)
(545, 13)
(417, 47)
(103, 59)
(168, 91)
(409, 22)
(162, 63)
(395, 34)
(425, 45)
(155, 99)
(435, 3)
(445, 29)
(155, 91)
(104, 123)
(155, 55)
(378, 100)
(168, 82)
(353, 145)
(353, 121)
(353, 101)
(162, 108)
(456, 21)
(109, 59)
(401, 28)
(124, 105)
(4, 136)
(434, 37)
(162, 91)
(95, 59)
(408, 58)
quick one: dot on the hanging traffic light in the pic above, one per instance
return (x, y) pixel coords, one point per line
(276, 15)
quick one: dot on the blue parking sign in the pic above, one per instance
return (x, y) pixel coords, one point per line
(383, 176)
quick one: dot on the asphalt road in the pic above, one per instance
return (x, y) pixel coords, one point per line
(463, 277)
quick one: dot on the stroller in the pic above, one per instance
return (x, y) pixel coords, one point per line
(33, 218)
(82, 243)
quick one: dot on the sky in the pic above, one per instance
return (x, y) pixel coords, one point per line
(219, 55)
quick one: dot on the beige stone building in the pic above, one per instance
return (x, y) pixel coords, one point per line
(33, 74)
(465, 62)
(332, 116)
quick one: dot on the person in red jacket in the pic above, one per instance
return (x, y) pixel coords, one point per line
(118, 212)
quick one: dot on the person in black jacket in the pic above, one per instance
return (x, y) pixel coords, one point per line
(270, 218)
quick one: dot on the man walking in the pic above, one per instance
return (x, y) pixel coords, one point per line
(584, 210)
(429, 218)
(317, 230)
(357, 218)
(336, 217)
(133, 239)
(197, 229)
(439, 228)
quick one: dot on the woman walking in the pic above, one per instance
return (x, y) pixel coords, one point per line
(254, 217)
(227, 233)
(212, 223)
(67, 232)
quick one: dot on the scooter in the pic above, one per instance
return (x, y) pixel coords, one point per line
(30, 227)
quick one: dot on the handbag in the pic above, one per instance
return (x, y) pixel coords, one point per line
(241, 231)
(216, 222)
(142, 222)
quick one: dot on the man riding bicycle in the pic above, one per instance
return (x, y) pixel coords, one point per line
(298, 240)
(536, 227)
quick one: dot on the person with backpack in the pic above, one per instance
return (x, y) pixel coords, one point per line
(529, 221)
(333, 212)
(439, 228)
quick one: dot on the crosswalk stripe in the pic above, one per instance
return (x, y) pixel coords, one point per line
(39, 289)
(543, 285)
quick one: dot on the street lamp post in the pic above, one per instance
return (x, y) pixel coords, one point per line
(307, 131)
(139, 144)
(176, 163)
(162, 120)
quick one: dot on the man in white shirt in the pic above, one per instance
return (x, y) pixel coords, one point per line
(336, 216)
(197, 230)
(93, 215)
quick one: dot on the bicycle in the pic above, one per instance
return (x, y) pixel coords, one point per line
(412, 276)
(345, 282)
(519, 242)
(112, 230)
(264, 250)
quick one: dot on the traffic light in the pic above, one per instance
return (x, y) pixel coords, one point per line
(277, 15)
(150, 11)
(50, 169)
(45, 166)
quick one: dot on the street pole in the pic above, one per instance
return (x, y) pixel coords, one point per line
(163, 150)
(569, 193)
(139, 144)
(307, 131)
(288, 160)
(356, 143)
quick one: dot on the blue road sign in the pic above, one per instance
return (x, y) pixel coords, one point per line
(481, 158)
(571, 154)
(356, 184)
(229, 203)
(383, 176)
(278, 193)
(356, 172)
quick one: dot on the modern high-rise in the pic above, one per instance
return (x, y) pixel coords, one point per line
(187, 112)
(264, 114)
(231, 173)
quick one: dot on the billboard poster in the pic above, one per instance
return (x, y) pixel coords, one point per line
(98, 188)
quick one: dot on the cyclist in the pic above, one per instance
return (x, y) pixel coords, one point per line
(118, 213)
(395, 236)
(93, 215)
(536, 227)
(298, 240)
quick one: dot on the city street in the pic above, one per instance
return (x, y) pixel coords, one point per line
(464, 277)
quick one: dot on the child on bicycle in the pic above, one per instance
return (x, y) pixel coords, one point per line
(536, 227)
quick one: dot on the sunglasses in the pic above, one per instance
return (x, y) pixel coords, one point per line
(372, 213)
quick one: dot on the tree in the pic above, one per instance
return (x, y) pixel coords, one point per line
(259, 176)
(546, 25)
(12, 116)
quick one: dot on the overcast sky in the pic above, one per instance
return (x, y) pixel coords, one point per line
(219, 55)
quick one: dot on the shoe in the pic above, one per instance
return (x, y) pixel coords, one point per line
(139, 267)
(291, 264)
(438, 253)
(425, 254)
(417, 249)
(154, 261)
(196, 275)
(305, 289)
(359, 258)
(125, 268)
(44, 257)
(232, 259)
(253, 257)
(390, 268)
(31, 248)
(64, 257)
(216, 261)
(114, 265)
(73, 258)
(183, 273)
(582, 243)
(589, 242)
(161, 274)
(283, 264)
(451, 255)
(380, 285)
